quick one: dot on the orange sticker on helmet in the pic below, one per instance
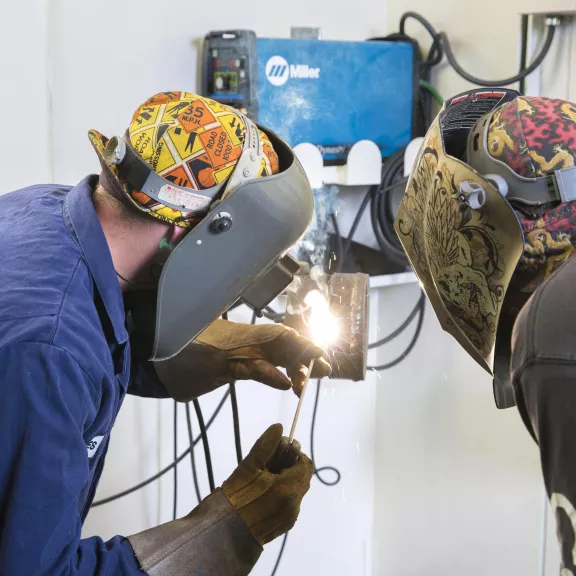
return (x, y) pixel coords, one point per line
(219, 148)
(195, 116)
(179, 177)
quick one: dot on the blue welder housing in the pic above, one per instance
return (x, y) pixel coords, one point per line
(335, 93)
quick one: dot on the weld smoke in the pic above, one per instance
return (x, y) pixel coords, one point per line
(313, 246)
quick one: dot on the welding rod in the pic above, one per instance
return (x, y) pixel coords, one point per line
(300, 401)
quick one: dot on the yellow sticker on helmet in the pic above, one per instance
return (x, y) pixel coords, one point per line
(234, 128)
(186, 143)
(221, 175)
(143, 142)
(162, 158)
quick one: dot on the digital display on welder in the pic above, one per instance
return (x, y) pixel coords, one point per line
(226, 77)
(229, 74)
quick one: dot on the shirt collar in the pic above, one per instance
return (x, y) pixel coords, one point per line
(83, 223)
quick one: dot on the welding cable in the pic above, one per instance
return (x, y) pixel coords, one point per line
(205, 444)
(348, 242)
(381, 211)
(235, 421)
(402, 326)
(440, 39)
(280, 554)
(317, 471)
(271, 314)
(234, 399)
(365, 201)
(410, 346)
(192, 457)
(175, 504)
(429, 28)
(234, 404)
(506, 81)
(167, 468)
(523, 50)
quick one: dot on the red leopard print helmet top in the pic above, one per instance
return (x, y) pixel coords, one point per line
(535, 137)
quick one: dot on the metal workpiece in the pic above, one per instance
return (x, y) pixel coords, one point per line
(348, 300)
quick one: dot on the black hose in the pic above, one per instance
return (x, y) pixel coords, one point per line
(204, 436)
(271, 314)
(415, 16)
(382, 222)
(348, 242)
(523, 50)
(365, 201)
(234, 404)
(280, 554)
(506, 81)
(167, 468)
(192, 457)
(410, 346)
(441, 44)
(175, 503)
(402, 326)
(236, 422)
(317, 471)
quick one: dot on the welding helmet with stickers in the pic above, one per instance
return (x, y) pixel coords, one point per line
(192, 162)
(493, 181)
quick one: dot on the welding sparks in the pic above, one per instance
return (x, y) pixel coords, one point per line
(321, 323)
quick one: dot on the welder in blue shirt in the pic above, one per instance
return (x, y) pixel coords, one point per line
(114, 286)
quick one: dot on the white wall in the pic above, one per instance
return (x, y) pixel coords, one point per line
(24, 157)
(457, 481)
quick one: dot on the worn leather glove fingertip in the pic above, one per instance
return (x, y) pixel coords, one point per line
(321, 368)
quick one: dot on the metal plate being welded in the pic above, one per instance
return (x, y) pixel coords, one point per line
(348, 298)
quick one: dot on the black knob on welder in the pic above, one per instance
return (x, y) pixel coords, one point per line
(221, 222)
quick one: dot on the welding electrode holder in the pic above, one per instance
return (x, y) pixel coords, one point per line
(285, 456)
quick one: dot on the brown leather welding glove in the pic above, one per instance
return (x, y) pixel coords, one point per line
(268, 503)
(228, 351)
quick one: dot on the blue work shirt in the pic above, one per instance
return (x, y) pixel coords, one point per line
(65, 367)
